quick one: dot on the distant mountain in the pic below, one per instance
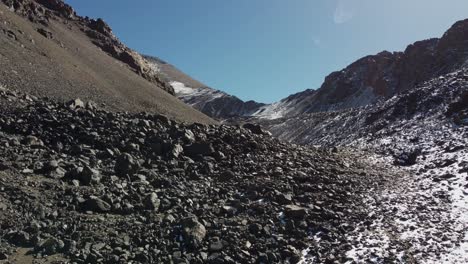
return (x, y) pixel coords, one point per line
(383, 75)
(371, 80)
(366, 81)
(214, 103)
(46, 49)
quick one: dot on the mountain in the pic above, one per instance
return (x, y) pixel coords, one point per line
(46, 49)
(366, 81)
(383, 75)
(371, 80)
(214, 103)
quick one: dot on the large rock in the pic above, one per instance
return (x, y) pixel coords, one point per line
(33, 141)
(126, 165)
(76, 103)
(90, 176)
(100, 26)
(95, 204)
(254, 128)
(50, 246)
(59, 6)
(199, 148)
(295, 212)
(407, 158)
(193, 231)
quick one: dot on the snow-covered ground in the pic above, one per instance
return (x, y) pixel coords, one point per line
(181, 89)
(274, 110)
(187, 93)
(415, 218)
(421, 214)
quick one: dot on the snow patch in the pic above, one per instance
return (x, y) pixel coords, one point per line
(180, 88)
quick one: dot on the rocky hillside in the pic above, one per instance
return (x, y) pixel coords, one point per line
(83, 184)
(441, 100)
(46, 49)
(423, 130)
(86, 185)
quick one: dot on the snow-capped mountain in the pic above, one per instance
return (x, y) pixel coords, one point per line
(212, 102)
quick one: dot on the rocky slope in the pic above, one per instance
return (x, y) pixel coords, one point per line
(46, 49)
(422, 215)
(83, 184)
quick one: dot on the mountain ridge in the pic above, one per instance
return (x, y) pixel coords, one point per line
(365, 81)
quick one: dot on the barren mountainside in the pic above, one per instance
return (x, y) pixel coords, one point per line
(48, 50)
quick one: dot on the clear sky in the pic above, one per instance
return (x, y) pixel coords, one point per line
(267, 49)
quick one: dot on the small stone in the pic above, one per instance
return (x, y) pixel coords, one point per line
(51, 246)
(294, 211)
(152, 202)
(202, 148)
(216, 245)
(46, 33)
(189, 136)
(284, 198)
(77, 103)
(53, 164)
(177, 150)
(57, 173)
(169, 219)
(32, 141)
(255, 228)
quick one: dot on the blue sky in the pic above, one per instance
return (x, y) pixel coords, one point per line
(264, 50)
